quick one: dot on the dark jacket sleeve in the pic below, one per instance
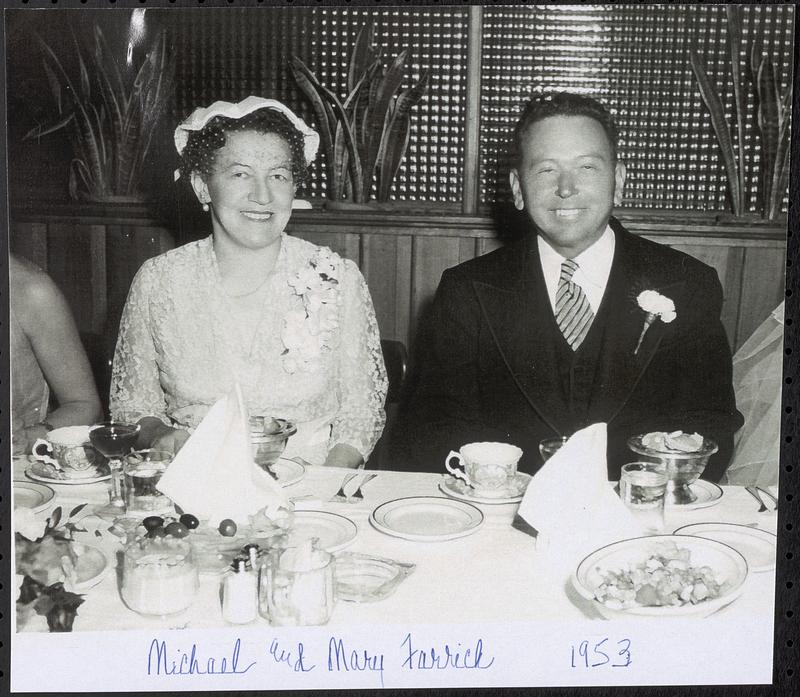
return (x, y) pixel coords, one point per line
(692, 375)
(440, 410)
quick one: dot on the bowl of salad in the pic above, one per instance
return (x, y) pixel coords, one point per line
(661, 576)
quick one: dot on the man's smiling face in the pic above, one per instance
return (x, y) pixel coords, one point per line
(568, 181)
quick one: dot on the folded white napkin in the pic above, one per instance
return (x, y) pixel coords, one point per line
(572, 506)
(213, 476)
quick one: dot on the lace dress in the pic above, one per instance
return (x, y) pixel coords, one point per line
(302, 347)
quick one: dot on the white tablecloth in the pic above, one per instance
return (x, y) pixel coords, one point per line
(493, 575)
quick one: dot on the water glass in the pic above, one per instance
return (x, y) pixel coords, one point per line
(142, 471)
(549, 446)
(643, 489)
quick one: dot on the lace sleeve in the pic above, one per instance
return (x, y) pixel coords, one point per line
(361, 382)
(135, 386)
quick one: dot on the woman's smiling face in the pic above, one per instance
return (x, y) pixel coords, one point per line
(250, 189)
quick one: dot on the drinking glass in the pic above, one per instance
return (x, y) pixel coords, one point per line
(643, 489)
(142, 470)
(114, 440)
(549, 446)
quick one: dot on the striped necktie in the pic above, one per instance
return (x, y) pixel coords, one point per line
(573, 313)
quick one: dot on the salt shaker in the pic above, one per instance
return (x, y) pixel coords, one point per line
(240, 594)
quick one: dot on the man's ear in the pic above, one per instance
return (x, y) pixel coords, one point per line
(516, 189)
(200, 188)
(619, 182)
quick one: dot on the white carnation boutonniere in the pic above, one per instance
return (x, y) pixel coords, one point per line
(309, 330)
(656, 306)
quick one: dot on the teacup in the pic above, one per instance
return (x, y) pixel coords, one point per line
(489, 468)
(68, 450)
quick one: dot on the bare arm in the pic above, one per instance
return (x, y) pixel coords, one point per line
(47, 321)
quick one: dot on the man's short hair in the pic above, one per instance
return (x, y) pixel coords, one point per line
(543, 106)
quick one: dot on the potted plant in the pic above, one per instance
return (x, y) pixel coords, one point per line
(364, 137)
(769, 109)
(110, 112)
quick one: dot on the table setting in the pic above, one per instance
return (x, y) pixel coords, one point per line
(229, 532)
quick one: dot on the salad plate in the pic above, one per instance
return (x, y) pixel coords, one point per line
(758, 547)
(427, 518)
(33, 496)
(459, 489)
(47, 474)
(333, 531)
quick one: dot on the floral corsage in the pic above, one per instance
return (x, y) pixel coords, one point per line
(307, 332)
(656, 306)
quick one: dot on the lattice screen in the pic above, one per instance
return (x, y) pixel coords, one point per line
(635, 59)
(228, 54)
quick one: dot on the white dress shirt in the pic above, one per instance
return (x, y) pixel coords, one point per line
(594, 266)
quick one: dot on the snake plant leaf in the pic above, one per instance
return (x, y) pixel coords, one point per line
(364, 54)
(324, 93)
(55, 86)
(309, 85)
(397, 134)
(388, 85)
(721, 129)
(105, 63)
(768, 125)
(47, 129)
(780, 173)
(734, 13)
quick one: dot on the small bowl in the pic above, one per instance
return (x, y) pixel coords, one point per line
(268, 446)
(723, 559)
(683, 469)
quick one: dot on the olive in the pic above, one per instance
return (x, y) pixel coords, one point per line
(157, 532)
(189, 521)
(176, 529)
(152, 522)
(227, 528)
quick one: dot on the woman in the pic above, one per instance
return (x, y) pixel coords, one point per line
(46, 354)
(291, 322)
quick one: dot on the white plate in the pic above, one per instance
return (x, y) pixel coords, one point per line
(459, 489)
(427, 518)
(288, 472)
(42, 472)
(333, 531)
(90, 566)
(32, 496)
(758, 547)
(707, 494)
(724, 560)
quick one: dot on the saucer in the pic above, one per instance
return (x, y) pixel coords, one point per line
(46, 473)
(426, 518)
(459, 489)
(707, 494)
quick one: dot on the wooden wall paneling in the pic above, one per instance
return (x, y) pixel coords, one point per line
(727, 261)
(29, 240)
(98, 276)
(403, 289)
(68, 249)
(346, 244)
(431, 256)
(763, 282)
(379, 267)
(484, 245)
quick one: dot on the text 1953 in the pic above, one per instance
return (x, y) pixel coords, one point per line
(603, 653)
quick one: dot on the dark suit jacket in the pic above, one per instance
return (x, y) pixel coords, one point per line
(485, 365)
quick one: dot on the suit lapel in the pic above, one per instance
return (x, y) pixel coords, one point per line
(620, 365)
(521, 321)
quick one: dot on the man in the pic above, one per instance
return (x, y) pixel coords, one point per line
(546, 336)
